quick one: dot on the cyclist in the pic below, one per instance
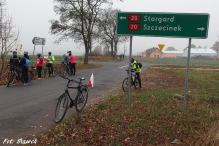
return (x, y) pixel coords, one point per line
(39, 65)
(24, 64)
(65, 58)
(14, 60)
(137, 71)
(50, 63)
(72, 63)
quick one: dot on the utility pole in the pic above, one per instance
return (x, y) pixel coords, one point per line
(124, 50)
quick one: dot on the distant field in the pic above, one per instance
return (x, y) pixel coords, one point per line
(183, 62)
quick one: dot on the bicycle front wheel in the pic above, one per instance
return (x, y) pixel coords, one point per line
(5, 78)
(61, 108)
(11, 79)
(125, 84)
(30, 75)
(81, 99)
(54, 71)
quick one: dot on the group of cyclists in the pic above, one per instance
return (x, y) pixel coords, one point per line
(71, 61)
(24, 62)
(21, 63)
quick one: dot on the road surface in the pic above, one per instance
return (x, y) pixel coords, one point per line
(28, 111)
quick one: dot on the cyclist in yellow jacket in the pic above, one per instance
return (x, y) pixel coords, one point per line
(137, 69)
(50, 63)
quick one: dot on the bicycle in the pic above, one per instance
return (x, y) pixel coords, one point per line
(9, 77)
(134, 81)
(79, 102)
(54, 73)
(64, 67)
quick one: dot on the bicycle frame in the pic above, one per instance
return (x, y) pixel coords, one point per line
(70, 87)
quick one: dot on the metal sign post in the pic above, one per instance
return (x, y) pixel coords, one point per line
(130, 56)
(179, 25)
(161, 48)
(187, 76)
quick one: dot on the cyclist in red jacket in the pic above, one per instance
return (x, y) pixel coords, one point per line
(39, 65)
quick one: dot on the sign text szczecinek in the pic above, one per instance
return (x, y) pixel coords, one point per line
(188, 25)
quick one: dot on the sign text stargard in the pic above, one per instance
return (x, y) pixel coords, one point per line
(187, 25)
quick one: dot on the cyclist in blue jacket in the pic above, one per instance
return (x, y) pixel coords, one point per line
(65, 58)
(24, 64)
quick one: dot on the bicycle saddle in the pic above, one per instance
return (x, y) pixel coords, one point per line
(82, 78)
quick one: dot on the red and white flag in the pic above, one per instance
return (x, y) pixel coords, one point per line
(46, 59)
(91, 81)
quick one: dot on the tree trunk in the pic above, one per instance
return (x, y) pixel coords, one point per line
(86, 55)
(111, 47)
(3, 64)
(90, 52)
(115, 48)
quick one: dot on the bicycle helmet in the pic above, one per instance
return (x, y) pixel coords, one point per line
(14, 52)
(25, 53)
(132, 59)
(50, 53)
(39, 54)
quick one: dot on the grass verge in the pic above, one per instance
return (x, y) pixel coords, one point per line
(155, 116)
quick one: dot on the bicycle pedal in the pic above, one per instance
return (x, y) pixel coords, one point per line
(71, 104)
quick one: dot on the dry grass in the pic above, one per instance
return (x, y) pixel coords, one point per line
(155, 116)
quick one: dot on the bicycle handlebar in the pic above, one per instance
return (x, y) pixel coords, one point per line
(65, 77)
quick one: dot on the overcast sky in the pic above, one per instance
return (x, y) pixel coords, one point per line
(33, 16)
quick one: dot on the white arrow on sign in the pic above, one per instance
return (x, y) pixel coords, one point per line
(201, 28)
(122, 17)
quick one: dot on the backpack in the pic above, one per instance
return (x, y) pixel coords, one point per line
(139, 64)
(27, 62)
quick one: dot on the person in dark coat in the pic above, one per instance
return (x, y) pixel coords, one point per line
(24, 64)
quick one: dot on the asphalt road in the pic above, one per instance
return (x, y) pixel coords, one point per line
(28, 111)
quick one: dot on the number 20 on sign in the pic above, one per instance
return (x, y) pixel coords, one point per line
(133, 26)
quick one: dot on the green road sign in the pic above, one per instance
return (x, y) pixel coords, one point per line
(185, 25)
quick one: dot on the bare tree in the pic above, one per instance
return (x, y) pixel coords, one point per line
(216, 47)
(9, 38)
(77, 21)
(171, 49)
(107, 29)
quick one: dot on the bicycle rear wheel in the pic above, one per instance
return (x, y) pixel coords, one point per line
(62, 70)
(136, 83)
(61, 108)
(44, 72)
(10, 79)
(30, 75)
(81, 99)
(68, 70)
(5, 78)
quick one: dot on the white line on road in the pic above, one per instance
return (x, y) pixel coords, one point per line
(123, 66)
